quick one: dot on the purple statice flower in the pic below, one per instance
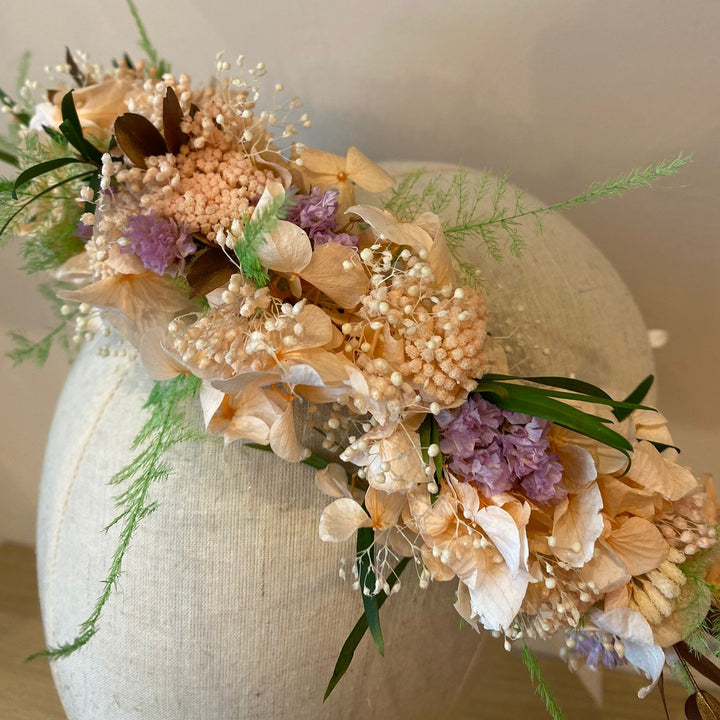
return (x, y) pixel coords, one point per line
(593, 649)
(159, 242)
(498, 450)
(315, 214)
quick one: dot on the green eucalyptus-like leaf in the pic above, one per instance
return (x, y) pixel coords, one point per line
(356, 634)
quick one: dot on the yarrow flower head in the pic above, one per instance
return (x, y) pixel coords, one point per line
(499, 451)
(161, 244)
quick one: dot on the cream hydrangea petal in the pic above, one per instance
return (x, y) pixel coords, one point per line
(578, 467)
(387, 227)
(577, 524)
(210, 400)
(639, 544)
(365, 173)
(659, 473)
(333, 481)
(336, 271)
(317, 328)
(618, 497)
(157, 360)
(439, 256)
(637, 636)
(463, 605)
(500, 527)
(497, 598)
(286, 249)
(340, 519)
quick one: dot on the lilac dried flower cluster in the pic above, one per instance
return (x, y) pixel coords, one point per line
(499, 450)
(593, 649)
(160, 243)
(315, 214)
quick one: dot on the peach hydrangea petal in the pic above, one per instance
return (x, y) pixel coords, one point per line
(141, 301)
(286, 249)
(659, 473)
(384, 508)
(283, 440)
(605, 570)
(333, 481)
(618, 497)
(336, 271)
(639, 545)
(340, 519)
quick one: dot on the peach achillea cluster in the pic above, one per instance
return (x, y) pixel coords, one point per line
(220, 254)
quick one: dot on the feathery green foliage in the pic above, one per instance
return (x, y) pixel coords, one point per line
(492, 212)
(37, 352)
(261, 222)
(165, 428)
(541, 686)
(145, 43)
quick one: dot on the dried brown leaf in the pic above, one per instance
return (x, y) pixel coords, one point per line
(210, 270)
(139, 138)
(172, 117)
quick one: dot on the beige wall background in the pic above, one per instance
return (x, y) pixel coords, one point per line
(561, 93)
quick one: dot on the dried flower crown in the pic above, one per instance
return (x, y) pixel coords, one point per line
(243, 272)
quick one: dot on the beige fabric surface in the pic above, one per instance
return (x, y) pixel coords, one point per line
(229, 605)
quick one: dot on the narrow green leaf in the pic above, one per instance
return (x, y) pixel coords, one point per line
(519, 398)
(356, 634)
(636, 396)
(40, 169)
(6, 157)
(366, 558)
(579, 386)
(46, 191)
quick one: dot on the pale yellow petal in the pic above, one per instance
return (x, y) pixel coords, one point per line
(367, 174)
(324, 163)
(140, 302)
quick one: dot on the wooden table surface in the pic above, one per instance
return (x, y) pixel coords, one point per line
(501, 689)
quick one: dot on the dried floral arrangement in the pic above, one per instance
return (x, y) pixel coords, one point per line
(191, 224)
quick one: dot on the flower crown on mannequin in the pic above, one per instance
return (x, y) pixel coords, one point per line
(189, 225)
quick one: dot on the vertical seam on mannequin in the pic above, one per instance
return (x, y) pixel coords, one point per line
(66, 500)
